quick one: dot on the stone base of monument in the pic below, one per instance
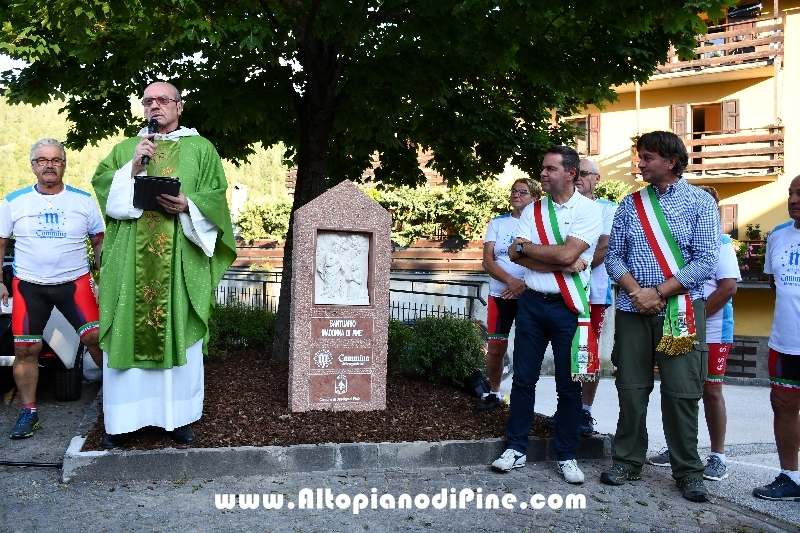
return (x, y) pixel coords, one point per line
(190, 463)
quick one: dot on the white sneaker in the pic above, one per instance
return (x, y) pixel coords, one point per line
(570, 471)
(510, 459)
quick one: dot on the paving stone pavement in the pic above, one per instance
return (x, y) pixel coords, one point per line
(34, 500)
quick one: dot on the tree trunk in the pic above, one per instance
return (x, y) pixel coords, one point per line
(316, 122)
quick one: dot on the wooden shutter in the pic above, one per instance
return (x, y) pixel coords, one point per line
(679, 112)
(729, 213)
(593, 123)
(730, 115)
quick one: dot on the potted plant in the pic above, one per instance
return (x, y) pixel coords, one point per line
(753, 232)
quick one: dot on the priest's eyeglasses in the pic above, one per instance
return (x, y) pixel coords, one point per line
(160, 100)
(42, 161)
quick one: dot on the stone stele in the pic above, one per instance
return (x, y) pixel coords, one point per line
(340, 302)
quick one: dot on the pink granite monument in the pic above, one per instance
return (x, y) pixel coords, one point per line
(340, 302)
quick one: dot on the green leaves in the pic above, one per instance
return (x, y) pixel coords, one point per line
(463, 210)
(265, 220)
(613, 190)
(444, 349)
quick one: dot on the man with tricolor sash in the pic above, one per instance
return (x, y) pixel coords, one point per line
(555, 241)
(664, 245)
(159, 272)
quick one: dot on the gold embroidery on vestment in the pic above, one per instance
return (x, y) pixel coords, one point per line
(152, 219)
(149, 293)
(156, 313)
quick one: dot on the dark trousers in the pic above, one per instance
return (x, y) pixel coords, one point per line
(540, 322)
(682, 379)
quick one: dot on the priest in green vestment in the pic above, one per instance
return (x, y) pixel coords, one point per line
(159, 272)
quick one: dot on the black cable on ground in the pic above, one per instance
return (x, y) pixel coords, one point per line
(31, 464)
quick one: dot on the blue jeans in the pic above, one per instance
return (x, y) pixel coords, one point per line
(540, 322)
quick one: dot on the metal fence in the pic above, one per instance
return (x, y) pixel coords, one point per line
(407, 311)
(261, 289)
(252, 289)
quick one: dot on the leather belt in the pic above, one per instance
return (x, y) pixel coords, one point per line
(547, 296)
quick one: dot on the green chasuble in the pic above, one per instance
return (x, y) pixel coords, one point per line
(157, 286)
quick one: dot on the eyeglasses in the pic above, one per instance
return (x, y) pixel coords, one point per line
(521, 192)
(584, 173)
(42, 161)
(161, 100)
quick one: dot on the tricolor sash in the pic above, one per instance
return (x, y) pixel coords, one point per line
(585, 362)
(679, 328)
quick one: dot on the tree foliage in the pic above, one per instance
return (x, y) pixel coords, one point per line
(265, 220)
(22, 125)
(613, 190)
(476, 81)
(463, 210)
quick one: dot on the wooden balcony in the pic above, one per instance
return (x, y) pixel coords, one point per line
(738, 43)
(752, 155)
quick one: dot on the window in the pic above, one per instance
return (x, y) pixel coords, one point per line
(588, 141)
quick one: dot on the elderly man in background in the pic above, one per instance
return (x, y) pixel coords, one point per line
(50, 222)
(159, 272)
(782, 263)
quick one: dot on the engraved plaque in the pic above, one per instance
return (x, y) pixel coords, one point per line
(341, 328)
(325, 358)
(341, 388)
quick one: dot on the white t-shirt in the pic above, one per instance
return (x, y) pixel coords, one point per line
(600, 288)
(50, 232)
(782, 260)
(501, 232)
(719, 326)
(580, 218)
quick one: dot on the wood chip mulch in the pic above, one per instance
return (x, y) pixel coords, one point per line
(246, 404)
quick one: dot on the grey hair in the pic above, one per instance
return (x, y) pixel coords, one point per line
(48, 142)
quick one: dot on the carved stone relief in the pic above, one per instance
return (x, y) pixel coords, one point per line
(342, 268)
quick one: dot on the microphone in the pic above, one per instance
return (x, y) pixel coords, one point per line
(152, 127)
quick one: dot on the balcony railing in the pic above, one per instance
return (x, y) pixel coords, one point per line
(732, 44)
(745, 153)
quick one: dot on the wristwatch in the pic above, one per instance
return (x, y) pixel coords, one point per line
(519, 247)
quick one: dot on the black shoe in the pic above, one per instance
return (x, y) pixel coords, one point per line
(783, 488)
(587, 424)
(491, 401)
(26, 424)
(182, 435)
(618, 475)
(550, 422)
(693, 489)
(109, 442)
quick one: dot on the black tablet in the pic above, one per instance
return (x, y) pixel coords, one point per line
(146, 188)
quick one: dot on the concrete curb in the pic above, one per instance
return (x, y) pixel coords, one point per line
(171, 463)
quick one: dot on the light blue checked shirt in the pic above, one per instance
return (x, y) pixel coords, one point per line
(693, 219)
